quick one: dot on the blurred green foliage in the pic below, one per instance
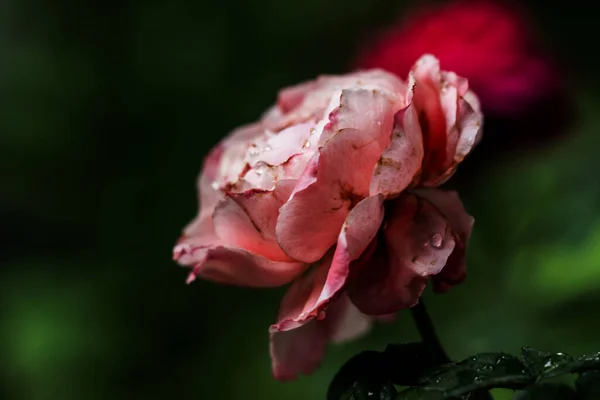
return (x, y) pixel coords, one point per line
(106, 112)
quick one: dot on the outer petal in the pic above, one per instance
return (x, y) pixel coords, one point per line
(461, 223)
(234, 266)
(235, 147)
(234, 227)
(450, 119)
(337, 176)
(400, 163)
(308, 297)
(415, 244)
(298, 351)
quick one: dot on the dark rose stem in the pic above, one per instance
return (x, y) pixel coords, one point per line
(427, 331)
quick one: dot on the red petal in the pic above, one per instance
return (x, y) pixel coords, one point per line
(461, 223)
(297, 351)
(415, 244)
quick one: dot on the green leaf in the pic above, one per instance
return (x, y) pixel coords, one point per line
(421, 394)
(534, 359)
(588, 386)
(562, 364)
(547, 391)
(487, 370)
(366, 391)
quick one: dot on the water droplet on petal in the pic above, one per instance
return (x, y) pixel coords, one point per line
(437, 240)
(215, 185)
(268, 148)
(306, 144)
(260, 168)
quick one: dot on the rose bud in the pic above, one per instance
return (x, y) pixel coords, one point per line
(332, 190)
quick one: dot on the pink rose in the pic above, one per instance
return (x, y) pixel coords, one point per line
(329, 190)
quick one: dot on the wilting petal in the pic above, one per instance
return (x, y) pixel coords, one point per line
(235, 148)
(298, 351)
(450, 119)
(247, 221)
(415, 244)
(282, 146)
(400, 163)
(337, 176)
(308, 296)
(461, 223)
(234, 266)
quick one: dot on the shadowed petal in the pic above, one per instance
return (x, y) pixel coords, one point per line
(461, 223)
(234, 266)
(415, 244)
(298, 351)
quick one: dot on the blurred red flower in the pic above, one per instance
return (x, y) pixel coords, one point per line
(490, 43)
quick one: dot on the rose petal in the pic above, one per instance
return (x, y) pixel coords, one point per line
(461, 223)
(281, 146)
(235, 148)
(297, 351)
(300, 350)
(450, 119)
(308, 296)
(415, 244)
(400, 163)
(247, 220)
(291, 97)
(208, 195)
(337, 176)
(234, 266)
(262, 206)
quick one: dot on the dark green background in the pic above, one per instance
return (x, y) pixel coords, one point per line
(106, 110)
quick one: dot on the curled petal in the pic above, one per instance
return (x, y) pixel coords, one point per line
(461, 223)
(308, 297)
(234, 266)
(336, 177)
(282, 146)
(400, 163)
(450, 119)
(235, 148)
(247, 220)
(298, 351)
(415, 244)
